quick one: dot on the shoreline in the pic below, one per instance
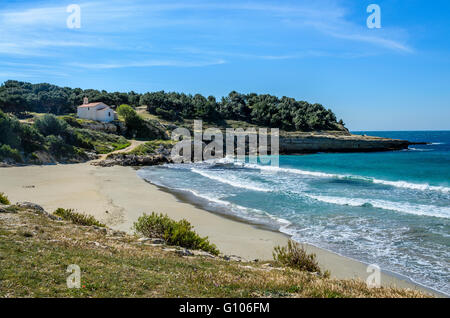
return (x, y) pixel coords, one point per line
(118, 196)
(322, 254)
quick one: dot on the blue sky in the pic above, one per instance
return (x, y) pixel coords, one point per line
(393, 78)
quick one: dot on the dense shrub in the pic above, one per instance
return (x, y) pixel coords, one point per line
(294, 255)
(264, 110)
(9, 130)
(58, 147)
(151, 147)
(177, 233)
(166, 114)
(20, 141)
(51, 125)
(30, 137)
(18, 97)
(6, 152)
(138, 127)
(16, 137)
(100, 141)
(72, 121)
(76, 138)
(4, 199)
(77, 218)
(260, 109)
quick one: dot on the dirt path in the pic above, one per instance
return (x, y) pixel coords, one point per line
(134, 144)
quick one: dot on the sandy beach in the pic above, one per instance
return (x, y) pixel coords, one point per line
(117, 196)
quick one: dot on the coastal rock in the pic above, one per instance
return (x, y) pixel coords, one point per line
(325, 141)
(233, 258)
(156, 241)
(100, 229)
(110, 128)
(184, 252)
(36, 208)
(114, 233)
(296, 143)
(202, 253)
(133, 160)
(179, 251)
(31, 206)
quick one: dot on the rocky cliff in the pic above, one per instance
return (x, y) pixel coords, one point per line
(333, 141)
(312, 143)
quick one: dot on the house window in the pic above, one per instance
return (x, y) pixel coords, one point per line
(109, 114)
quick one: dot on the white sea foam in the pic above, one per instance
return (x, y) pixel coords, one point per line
(403, 207)
(354, 237)
(397, 184)
(413, 186)
(418, 149)
(244, 184)
(250, 214)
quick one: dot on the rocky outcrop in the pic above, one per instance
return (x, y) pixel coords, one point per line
(331, 141)
(132, 160)
(312, 143)
(116, 127)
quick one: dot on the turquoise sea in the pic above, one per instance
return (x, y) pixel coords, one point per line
(386, 208)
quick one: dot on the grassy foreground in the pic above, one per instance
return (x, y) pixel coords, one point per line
(35, 251)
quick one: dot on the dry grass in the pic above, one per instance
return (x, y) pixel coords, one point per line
(36, 250)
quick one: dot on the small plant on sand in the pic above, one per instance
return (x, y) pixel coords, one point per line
(177, 233)
(4, 199)
(294, 255)
(77, 218)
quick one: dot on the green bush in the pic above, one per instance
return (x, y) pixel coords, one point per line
(71, 121)
(100, 141)
(76, 138)
(31, 139)
(9, 128)
(6, 152)
(166, 114)
(177, 233)
(51, 125)
(77, 218)
(150, 147)
(4, 199)
(294, 255)
(57, 146)
(137, 126)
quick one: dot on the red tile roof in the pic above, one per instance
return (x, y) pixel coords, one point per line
(90, 104)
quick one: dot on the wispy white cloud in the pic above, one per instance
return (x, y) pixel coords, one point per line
(34, 17)
(387, 43)
(119, 26)
(16, 75)
(147, 63)
(295, 55)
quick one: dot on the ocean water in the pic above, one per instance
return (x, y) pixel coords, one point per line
(386, 208)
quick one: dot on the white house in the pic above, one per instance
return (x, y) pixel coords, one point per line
(96, 111)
